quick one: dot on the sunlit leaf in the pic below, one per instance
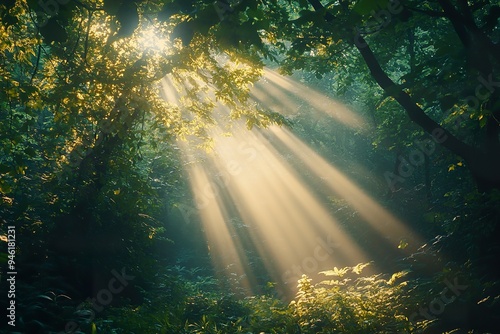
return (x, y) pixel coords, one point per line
(403, 243)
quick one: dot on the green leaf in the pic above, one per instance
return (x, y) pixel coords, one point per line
(403, 243)
(45, 297)
(335, 272)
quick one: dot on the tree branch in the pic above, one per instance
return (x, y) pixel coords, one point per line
(473, 39)
(416, 114)
(37, 64)
(88, 7)
(457, 21)
(86, 47)
(320, 8)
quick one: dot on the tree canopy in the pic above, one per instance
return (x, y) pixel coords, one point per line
(435, 59)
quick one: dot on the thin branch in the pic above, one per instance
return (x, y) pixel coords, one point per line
(472, 38)
(457, 21)
(86, 48)
(35, 70)
(88, 7)
(73, 52)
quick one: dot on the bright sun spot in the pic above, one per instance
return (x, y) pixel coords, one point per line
(150, 39)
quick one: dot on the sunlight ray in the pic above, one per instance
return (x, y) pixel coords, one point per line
(274, 98)
(168, 91)
(316, 100)
(379, 218)
(289, 222)
(219, 234)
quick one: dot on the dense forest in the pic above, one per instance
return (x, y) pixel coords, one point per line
(250, 166)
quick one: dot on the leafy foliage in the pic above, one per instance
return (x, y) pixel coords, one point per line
(352, 305)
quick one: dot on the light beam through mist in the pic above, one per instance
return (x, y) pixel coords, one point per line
(253, 202)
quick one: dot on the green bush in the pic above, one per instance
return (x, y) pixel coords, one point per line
(349, 303)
